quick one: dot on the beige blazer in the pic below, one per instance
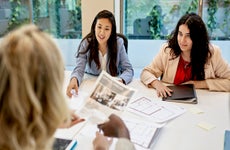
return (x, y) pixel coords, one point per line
(217, 70)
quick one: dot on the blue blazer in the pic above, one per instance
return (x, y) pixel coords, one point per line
(125, 69)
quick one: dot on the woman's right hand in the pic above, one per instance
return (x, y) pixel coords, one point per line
(101, 142)
(114, 127)
(73, 85)
(162, 90)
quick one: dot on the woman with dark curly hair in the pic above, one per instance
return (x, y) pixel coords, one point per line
(101, 50)
(188, 57)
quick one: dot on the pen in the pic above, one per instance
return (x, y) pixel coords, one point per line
(72, 145)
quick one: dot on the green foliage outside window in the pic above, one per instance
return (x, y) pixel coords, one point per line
(16, 18)
(60, 18)
(212, 9)
(193, 6)
(226, 22)
(137, 24)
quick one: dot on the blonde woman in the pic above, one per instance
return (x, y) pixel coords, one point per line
(32, 104)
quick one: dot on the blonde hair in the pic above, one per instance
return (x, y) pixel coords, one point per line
(32, 103)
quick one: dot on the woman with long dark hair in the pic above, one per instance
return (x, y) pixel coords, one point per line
(101, 50)
(188, 57)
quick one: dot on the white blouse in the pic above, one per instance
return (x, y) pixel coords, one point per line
(103, 60)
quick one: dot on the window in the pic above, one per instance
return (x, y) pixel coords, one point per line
(61, 18)
(156, 19)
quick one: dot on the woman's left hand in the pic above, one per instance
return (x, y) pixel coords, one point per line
(75, 119)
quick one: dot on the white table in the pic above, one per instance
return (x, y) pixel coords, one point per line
(181, 133)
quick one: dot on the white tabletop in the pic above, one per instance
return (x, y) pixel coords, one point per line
(183, 132)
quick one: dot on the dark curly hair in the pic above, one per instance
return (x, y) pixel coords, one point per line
(200, 51)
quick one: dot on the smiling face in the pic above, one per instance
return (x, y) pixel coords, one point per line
(184, 39)
(103, 30)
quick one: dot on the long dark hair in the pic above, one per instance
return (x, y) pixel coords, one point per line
(200, 51)
(112, 43)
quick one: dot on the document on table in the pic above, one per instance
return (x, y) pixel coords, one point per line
(141, 133)
(78, 101)
(111, 93)
(69, 133)
(158, 111)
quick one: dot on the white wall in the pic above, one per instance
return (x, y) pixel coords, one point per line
(89, 10)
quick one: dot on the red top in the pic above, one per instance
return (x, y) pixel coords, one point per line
(183, 72)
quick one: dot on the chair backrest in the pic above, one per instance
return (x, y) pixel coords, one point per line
(125, 40)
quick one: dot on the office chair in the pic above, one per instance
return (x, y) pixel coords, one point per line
(125, 40)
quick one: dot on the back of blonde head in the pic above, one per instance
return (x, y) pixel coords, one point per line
(32, 103)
